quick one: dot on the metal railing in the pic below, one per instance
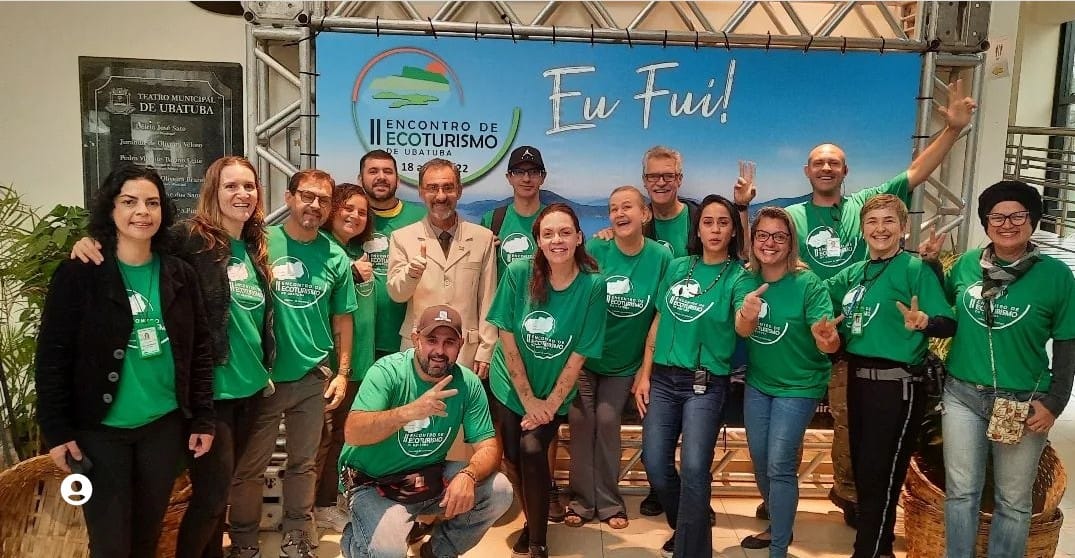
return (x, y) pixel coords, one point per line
(1045, 158)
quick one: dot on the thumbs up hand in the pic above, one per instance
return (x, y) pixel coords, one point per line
(913, 318)
(751, 308)
(417, 266)
(363, 267)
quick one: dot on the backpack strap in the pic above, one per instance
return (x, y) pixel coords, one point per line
(498, 219)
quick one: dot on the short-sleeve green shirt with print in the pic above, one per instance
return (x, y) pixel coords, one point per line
(244, 373)
(784, 358)
(631, 284)
(569, 321)
(393, 382)
(363, 319)
(672, 233)
(516, 237)
(311, 283)
(697, 304)
(390, 314)
(146, 389)
(1035, 308)
(830, 238)
(870, 290)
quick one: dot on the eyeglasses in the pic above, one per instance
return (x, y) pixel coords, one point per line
(308, 198)
(659, 176)
(447, 189)
(532, 173)
(1018, 218)
(778, 237)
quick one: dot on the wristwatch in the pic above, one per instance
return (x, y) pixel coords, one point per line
(345, 372)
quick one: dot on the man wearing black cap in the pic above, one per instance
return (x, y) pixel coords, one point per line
(512, 223)
(408, 409)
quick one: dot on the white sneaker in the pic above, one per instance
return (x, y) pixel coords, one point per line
(331, 517)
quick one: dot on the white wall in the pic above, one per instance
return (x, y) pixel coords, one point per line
(40, 138)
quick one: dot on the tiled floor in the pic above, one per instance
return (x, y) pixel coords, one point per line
(819, 528)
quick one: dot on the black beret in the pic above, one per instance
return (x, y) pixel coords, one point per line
(1010, 190)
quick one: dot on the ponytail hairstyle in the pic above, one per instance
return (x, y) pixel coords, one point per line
(539, 277)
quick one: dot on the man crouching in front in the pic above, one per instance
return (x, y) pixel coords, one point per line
(408, 411)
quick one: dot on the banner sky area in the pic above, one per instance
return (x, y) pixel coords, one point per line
(593, 110)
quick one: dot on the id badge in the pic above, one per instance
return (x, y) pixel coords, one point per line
(148, 343)
(856, 323)
(833, 248)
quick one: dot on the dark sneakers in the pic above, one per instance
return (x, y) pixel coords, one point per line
(650, 506)
(850, 509)
(521, 548)
(762, 512)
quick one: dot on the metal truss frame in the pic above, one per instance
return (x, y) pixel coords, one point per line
(950, 36)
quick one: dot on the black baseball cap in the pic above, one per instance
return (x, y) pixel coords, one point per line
(525, 154)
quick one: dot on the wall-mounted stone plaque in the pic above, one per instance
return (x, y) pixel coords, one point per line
(175, 116)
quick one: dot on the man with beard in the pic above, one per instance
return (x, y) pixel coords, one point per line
(313, 296)
(395, 468)
(445, 260)
(830, 239)
(378, 177)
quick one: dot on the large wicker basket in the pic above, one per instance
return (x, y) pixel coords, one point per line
(923, 512)
(35, 520)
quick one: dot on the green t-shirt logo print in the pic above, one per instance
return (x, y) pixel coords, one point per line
(422, 438)
(291, 284)
(377, 248)
(620, 298)
(540, 334)
(680, 304)
(818, 242)
(516, 246)
(1003, 314)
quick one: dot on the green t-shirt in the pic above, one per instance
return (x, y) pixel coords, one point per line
(697, 326)
(390, 314)
(393, 382)
(516, 241)
(673, 232)
(830, 238)
(146, 388)
(1036, 307)
(311, 283)
(872, 289)
(363, 320)
(244, 373)
(784, 359)
(630, 292)
(570, 321)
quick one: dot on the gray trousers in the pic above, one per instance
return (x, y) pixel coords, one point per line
(594, 418)
(302, 405)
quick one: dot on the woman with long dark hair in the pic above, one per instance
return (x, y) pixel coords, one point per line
(350, 226)
(124, 359)
(551, 315)
(226, 244)
(681, 388)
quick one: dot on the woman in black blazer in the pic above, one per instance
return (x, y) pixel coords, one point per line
(123, 361)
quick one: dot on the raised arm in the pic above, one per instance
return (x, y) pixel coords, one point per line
(957, 115)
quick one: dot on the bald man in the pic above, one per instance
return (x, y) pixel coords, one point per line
(830, 239)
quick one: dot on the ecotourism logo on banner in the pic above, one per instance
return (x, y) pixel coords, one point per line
(409, 102)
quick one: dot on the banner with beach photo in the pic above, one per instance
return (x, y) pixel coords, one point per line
(593, 110)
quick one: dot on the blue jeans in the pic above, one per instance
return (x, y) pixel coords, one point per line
(379, 526)
(675, 409)
(775, 429)
(966, 451)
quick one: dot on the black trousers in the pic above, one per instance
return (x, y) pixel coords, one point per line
(132, 477)
(328, 454)
(884, 418)
(201, 534)
(526, 454)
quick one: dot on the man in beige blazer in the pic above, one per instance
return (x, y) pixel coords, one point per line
(443, 259)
